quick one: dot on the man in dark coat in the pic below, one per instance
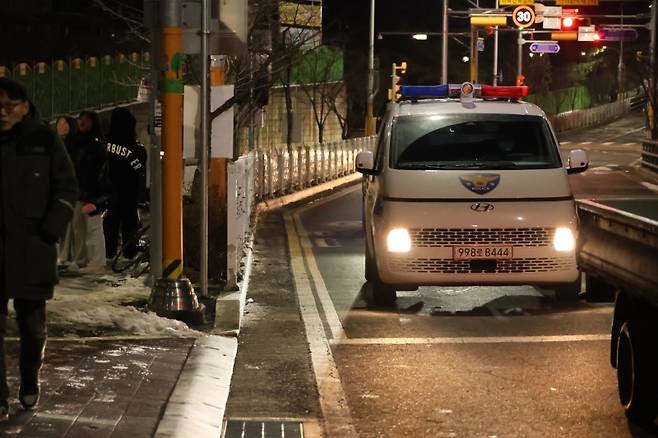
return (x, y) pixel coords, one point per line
(37, 192)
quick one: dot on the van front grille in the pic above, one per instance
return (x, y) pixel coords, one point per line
(450, 266)
(435, 237)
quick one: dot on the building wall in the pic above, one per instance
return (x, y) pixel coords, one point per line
(271, 126)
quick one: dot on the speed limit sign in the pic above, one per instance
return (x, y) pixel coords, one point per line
(523, 16)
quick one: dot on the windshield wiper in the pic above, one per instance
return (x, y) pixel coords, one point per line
(486, 165)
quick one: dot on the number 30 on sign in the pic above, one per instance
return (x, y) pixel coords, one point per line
(523, 16)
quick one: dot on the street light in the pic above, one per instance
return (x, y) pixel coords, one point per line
(465, 58)
(420, 36)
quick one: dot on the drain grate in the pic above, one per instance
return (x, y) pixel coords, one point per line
(263, 429)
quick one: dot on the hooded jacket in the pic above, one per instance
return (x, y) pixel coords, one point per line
(126, 156)
(38, 189)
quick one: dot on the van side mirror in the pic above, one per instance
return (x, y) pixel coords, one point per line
(365, 163)
(578, 161)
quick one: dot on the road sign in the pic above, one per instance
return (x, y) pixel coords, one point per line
(523, 16)
(544, 47)
(617, 34)
(480, 44)
(515, 2)
(577, 2)
(587, 33)
(550, 16)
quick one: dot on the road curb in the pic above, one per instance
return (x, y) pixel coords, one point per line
(229, 307)
(196, 406)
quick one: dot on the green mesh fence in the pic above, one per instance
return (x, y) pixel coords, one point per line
(563, 100)
(70, 86)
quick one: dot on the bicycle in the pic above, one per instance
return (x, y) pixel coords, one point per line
(140, 263)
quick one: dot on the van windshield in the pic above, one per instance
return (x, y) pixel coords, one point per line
(478, 141)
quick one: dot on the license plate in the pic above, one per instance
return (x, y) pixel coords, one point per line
(496, 252)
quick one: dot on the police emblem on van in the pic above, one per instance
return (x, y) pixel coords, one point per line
(480, 184)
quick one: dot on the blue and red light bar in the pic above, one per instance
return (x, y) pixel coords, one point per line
(456, 91)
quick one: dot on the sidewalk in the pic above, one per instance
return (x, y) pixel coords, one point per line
(112, 369)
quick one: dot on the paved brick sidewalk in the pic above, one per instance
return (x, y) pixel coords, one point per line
(109, 388)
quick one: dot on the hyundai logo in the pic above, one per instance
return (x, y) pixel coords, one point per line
(482, 207)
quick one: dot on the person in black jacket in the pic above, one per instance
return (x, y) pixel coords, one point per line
(92, 170)
(37, 192)
(127, 158)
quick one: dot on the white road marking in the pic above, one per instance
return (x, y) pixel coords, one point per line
(650, 186)
(323, 294)
(335, 410)
(472, 340)
(565, 142)
(585, 142)
(631, 144)
(607, 143)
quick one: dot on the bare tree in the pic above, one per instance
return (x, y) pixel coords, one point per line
(320, 71)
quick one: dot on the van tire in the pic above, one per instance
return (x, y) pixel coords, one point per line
(371, 266)
(636, 379)
(383, 294)
(568, 292)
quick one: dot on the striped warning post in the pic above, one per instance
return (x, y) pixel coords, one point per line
(172, 269)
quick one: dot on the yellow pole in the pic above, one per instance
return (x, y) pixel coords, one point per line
(172, 161)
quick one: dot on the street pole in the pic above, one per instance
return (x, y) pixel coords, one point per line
(474, 66)
(172, 112)
(444, 44)
(155, 162)
(370, 119)
(173, 295)
(495, 59)
(205, 132)
(620, 64)
(519, 59)
(652, 65)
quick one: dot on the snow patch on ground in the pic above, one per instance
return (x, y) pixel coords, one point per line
(97, 305)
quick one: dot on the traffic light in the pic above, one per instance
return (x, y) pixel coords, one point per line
(567, 23)
(394, 91)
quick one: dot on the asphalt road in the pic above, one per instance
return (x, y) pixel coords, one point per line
(462, 361)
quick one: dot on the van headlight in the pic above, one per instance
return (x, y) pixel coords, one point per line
(398, 240)
(564, 240)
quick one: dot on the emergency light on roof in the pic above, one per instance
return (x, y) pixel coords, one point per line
(462, 90)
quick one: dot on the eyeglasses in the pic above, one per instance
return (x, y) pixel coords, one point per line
(10, 106)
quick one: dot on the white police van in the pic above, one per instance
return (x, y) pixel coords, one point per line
(467, 187)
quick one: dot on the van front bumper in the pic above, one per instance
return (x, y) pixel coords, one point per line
(438, 229)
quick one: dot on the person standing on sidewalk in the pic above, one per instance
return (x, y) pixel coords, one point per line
(37, 192)
(127, 158)
(92, 169)
(72, 247)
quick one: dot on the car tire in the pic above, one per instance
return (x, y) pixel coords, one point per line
(636, 380)
(568, 292)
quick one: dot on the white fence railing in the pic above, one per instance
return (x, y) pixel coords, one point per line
(262, 175)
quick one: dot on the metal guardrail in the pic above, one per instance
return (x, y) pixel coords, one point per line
(590, 117)
(268, 174)
(650, 155)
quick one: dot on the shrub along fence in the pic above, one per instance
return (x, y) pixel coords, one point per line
(69, 86)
